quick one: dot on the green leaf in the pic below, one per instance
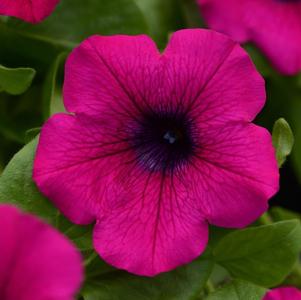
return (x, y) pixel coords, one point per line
(163, 17)
(30, 134)
(76, 20)
(238, 290)
(17, 114)
(191, 14)
(183, 283)
(263, 255)
(52, 90)
(15, 81)
(261, 62)
(283, 140)
(218, 277)
(72, 22)
(18, 188)
(80, 235)
(281, 214)
(296, 123)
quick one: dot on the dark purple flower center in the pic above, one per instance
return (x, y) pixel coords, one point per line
(163, 141)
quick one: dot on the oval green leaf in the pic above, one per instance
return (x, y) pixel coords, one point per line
(15, 81)
(238, 290)
(281, 214)
(264, 255)
(184, 283)
(283, 140)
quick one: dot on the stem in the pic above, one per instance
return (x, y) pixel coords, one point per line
(209, 287)
(69, 229)
(90, 259)
(57, 219)
(265, 219)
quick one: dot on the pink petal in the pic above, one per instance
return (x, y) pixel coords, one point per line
(274, 26)
(36, 261)
(283, 293)
(225, 16)
(149, 220)
(235, 174)
(76, 167)
(106, 73)
(77, 160)
(212, 76)
(32, 11)
(156, 227)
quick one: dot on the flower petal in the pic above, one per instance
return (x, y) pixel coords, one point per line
(226, 17)
(235, 174)
(283, 293)
(32, 11)
(76, 167)
(212, 78)
(77, 157)
(36, 261)
(155, 230)
(106, 73)
(274, 26)
(96, 164)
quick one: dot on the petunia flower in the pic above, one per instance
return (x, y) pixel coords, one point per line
(33, 11)
(283, 293)
(273, 25)
(36, 261)
(156, 146)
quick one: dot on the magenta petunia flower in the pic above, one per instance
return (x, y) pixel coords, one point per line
(273, 25)
(157, 146)
(283, 293)
(36, 261)
(33, 11)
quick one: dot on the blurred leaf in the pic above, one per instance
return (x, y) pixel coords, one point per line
(192, 14)
(31, 134)
(19, 113)
(284, 100)
(6, 150)
(10, 133)
(238, 290)
(283, 140)
(263, 255)
(296, 123)
(162, 16)
(82, 241)
(281, 214)
(76, 20)
(72, 22)
(262, 64)
(52, 90)
(219, 276)
(15, 81)
(96, 268)
(19, 49)
(4, 18)
(183, 283)
(18, 188)
(216, 234)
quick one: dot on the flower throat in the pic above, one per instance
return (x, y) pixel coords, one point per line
(163, 141)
